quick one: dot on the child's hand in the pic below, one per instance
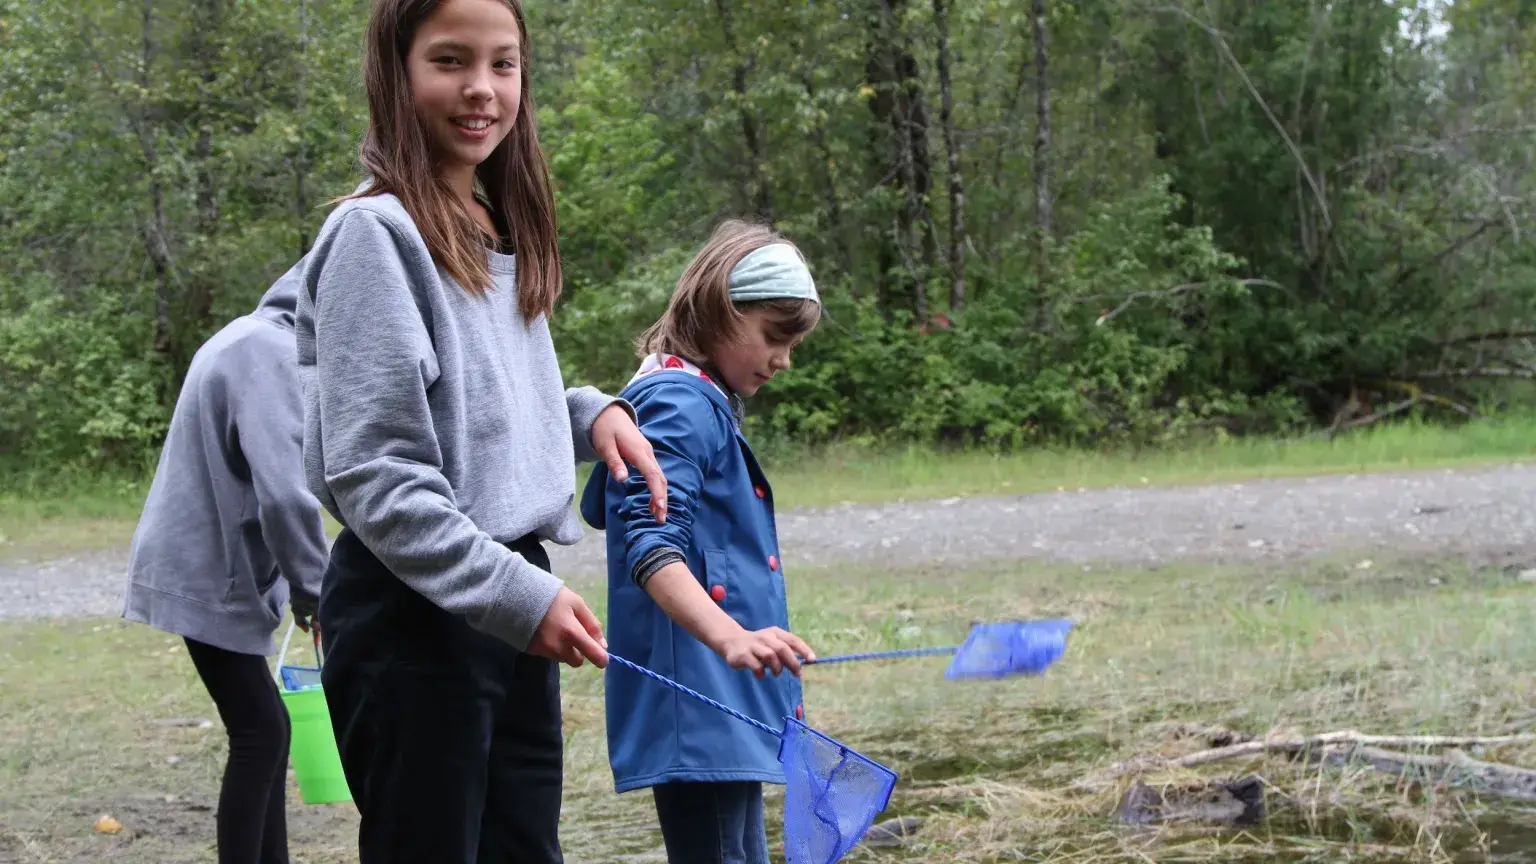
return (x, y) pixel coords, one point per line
(570, 632)
(769, 648)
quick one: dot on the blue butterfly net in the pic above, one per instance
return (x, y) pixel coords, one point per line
(832, 794)
(1010, 648)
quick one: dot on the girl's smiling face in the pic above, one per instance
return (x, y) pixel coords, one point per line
(465, 68)
(760, 350)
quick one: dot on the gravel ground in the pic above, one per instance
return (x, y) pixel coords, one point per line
(1489, 513)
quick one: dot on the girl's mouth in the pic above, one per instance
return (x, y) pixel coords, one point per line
(473, 128)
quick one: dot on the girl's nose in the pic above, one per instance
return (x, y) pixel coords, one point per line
(478, 89)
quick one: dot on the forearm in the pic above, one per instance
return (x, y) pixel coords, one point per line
(295, 535)
(679, 594)
(405, 514)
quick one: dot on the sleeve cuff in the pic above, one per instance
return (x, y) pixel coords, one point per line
(652, 563)
(585, 403)
(528, 594)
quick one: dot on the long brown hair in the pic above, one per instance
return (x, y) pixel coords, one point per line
(701, 315)
(515, 177)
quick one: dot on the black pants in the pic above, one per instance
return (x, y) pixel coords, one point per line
(252, 823)
(450, 739)
(712, 823)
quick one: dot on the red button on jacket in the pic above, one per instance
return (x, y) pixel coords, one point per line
(717, 593)
(773, 563)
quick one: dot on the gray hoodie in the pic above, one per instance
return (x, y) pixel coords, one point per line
(229, 512)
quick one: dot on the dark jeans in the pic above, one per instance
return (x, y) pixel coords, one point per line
(712, 823)
(252, 825)
(450, 739)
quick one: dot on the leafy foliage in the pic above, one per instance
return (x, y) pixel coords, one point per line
(1173, 218)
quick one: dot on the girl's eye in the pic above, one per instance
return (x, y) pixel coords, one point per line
(506, 65)
(445, 60)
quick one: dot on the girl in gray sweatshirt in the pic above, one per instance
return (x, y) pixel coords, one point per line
(229, 536)
(441, 436)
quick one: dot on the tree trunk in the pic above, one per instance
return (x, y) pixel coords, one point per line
(834, 204)
(909, 118)
(1042, 147)
(1004, 213)
(751, 125)
(956, 184)
(301, 118)
(908, 238)
(893, 283)
(1010, 118)
(154, 229)
(199, 299)
(202, 49)
(160, 259)
(916, 119)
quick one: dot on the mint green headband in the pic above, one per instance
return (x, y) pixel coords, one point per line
(772, 272)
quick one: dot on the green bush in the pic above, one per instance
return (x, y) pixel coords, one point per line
(76, 392)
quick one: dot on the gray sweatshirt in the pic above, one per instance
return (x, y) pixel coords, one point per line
(228, 512)
(438, 426)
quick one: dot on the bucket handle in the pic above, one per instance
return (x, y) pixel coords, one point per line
(277, 671)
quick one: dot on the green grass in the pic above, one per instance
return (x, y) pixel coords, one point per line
(41, 516)
(861, 475)
(1402, 647)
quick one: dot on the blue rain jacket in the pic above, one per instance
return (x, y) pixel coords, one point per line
(720, 514)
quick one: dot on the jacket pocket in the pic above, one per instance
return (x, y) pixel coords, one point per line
(718, 581)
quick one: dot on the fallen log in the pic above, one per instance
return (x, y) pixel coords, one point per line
(1453, 769)
(1293, 745)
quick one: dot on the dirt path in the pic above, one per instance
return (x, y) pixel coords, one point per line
(1487, 511)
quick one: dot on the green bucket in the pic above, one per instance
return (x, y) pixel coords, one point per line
(312, 747)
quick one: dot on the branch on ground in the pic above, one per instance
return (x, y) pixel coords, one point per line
(1293, 745)
(1342, 420)
(1339, 424)
(1453, 769)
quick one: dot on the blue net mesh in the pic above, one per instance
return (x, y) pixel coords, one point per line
(831, 795)
(300, 677)
(1010, 648)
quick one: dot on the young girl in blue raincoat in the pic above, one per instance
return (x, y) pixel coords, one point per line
(700, 598)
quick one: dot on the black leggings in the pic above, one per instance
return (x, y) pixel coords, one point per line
(252, 824)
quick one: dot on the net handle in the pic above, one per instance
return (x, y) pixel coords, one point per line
(695, 694)
(882, 655)
(904, 652)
